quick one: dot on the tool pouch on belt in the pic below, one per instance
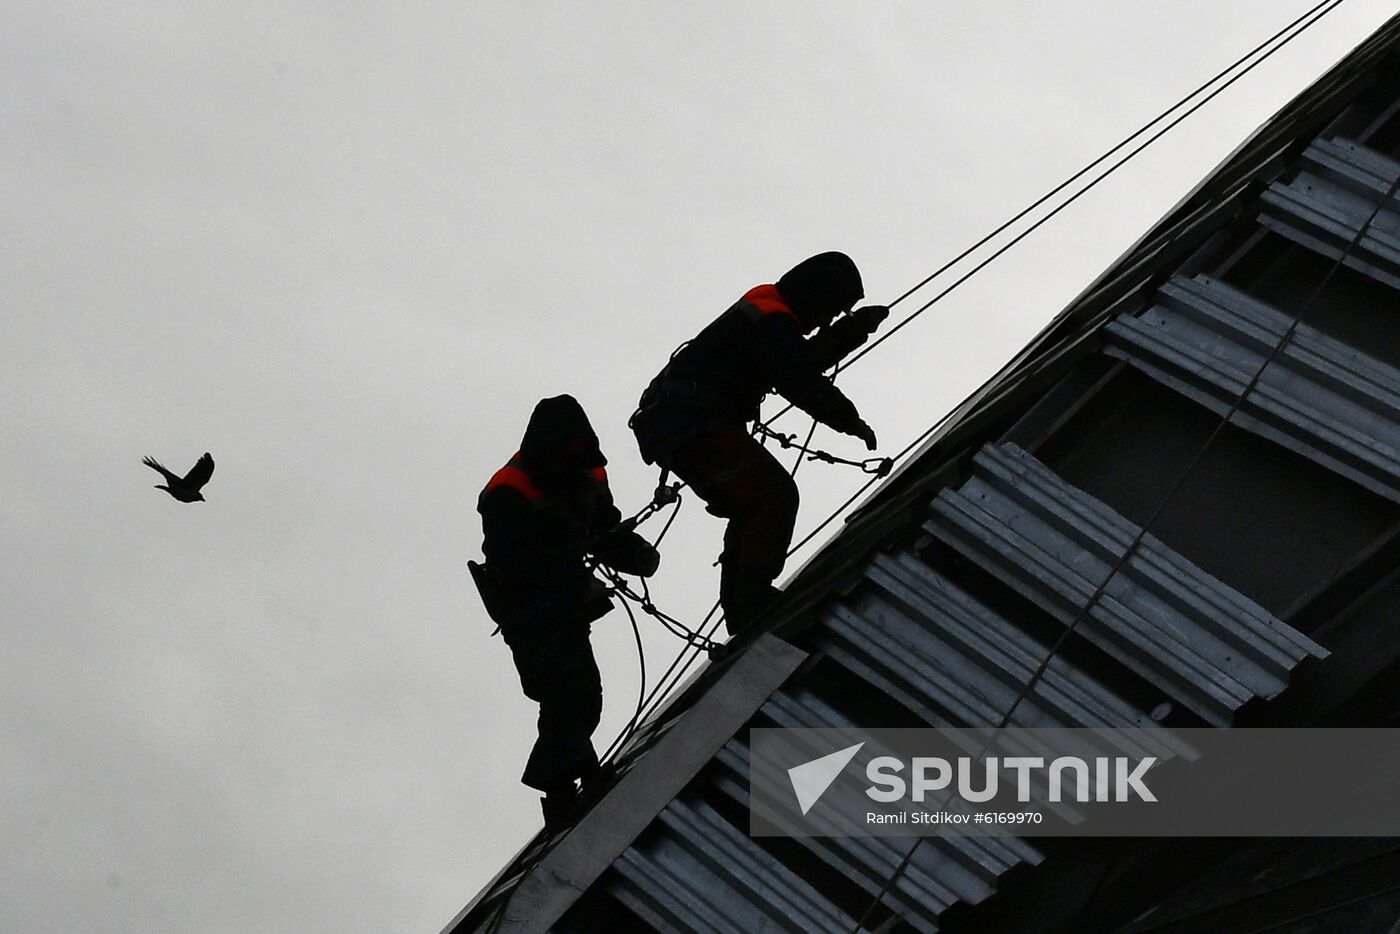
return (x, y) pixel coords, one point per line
(489, 589)
(596, 603)
(543, 606)
(670, 413)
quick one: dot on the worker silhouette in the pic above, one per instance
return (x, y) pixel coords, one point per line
(541, 515)
(693, 417)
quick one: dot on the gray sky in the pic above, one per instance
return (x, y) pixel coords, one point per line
(345, 248)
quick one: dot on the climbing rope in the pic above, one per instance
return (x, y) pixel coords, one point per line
(666, 494)
(987, 238)
(876, 466)
(643, 601)
(641, 655)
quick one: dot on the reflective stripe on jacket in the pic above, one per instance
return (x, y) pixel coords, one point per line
(721, 376)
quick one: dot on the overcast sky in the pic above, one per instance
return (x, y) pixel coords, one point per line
(345, 247)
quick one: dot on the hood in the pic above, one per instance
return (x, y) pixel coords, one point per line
(819, 288)
(559, 438)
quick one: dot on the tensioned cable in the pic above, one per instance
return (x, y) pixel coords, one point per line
(1176, 488)
(641, 660)
(1325, 7)
(1056, 190)
(888, 334)
(846, 364)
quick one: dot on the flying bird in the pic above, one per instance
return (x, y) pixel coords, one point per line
(185, 489)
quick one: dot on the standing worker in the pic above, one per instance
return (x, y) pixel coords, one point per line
(693, 418)
(542, 514)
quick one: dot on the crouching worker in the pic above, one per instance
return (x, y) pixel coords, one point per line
(542, 514)
(692, 419)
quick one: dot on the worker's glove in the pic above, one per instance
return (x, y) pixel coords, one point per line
(648, 560)
(628, 552)
(594, 603)
(870, 317)
(865, 433)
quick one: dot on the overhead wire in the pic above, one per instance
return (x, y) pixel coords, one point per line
(987, 238)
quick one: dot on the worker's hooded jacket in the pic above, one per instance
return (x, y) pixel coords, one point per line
(543, 512)
(759, 345)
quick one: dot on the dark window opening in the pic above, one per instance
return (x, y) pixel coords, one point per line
(1378, 114)
(1386, 137)
(1266, 521)
(797, 855)
(1377, 704)
(1353, 308)
(1374, 119)
(855, 699)
(598, 910)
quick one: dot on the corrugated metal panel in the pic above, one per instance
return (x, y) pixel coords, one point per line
(917, 637)
(951, 869)
(1325, 205)
(1206, 645)
(695, 865)
(864, 861)
(697, 872)
(1319, 397)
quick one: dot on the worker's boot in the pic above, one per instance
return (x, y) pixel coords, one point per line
(595, 783)
(559, 805)
(591, 771)
(745, 599)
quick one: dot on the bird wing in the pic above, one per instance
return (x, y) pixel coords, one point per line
(152, 463)
(200, 473)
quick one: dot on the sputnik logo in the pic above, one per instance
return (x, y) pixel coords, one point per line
(810, 780)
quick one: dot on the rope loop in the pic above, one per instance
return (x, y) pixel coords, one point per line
(878, 466)
(623, 591)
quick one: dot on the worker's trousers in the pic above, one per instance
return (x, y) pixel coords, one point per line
(740, 481)
(557, 669)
